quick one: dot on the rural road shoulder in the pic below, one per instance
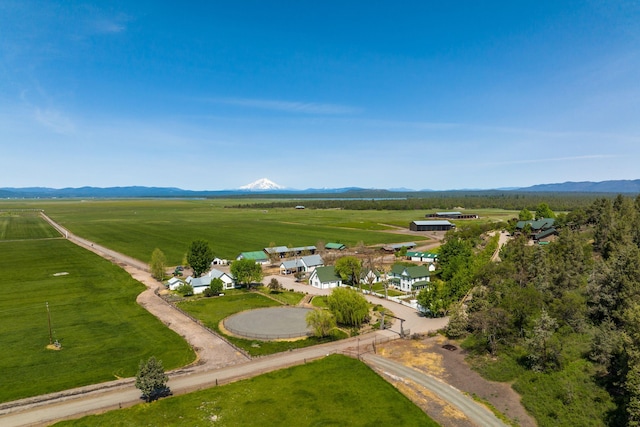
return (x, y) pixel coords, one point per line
(217, 363)
(476, 413)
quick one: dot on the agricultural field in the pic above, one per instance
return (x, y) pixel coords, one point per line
(104, 333)
(25, 225)
(137, 227)
(335, 390)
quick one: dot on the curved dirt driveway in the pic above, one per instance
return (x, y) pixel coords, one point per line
(211, 350)
(217, 362)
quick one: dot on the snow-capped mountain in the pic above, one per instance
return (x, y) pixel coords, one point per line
(261, 185)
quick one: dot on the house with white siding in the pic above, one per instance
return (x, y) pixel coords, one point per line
(303, 264)
(409, 279)
(201, 283)
(325, 278)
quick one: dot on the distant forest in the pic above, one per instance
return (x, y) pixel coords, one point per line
(436, 200)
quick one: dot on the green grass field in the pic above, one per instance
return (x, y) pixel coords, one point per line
(137, 227)
(103, 332)
(211, 311)
(25, 226)
(334, 391)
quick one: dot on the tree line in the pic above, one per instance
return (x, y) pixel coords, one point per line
(442, 200)
(541, 303)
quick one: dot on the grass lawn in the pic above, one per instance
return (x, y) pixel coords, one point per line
(103, 332)
(333, 391)
(212, 310)
(379, 288)
(285, 297)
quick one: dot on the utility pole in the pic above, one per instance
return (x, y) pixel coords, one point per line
(49, 319)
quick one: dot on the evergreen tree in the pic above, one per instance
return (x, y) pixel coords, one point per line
(151, 379)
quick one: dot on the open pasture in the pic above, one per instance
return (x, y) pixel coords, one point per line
(104, 333)
(211, 311)
(335, 390)
(136, 227)
(24, 225)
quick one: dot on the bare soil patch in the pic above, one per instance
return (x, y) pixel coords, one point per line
(429, 356)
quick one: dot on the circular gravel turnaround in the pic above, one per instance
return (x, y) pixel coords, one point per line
(269, 323)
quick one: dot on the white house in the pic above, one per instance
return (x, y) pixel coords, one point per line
(370, 276)
(201, 283)
(174, 283)
(306, 263)
(409, 279)
(325, 278)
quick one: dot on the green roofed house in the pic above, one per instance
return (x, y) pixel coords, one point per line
(539, 229)
(335, 246)
(410, 279)
(258, 256)
(325, 278)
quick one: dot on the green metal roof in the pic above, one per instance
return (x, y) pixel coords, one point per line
(338, 246)
(412, 272)
(255, 255)
(327, 274)
(422, 254)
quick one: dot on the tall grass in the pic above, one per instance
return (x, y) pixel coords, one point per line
(336, 391)
(103, 332)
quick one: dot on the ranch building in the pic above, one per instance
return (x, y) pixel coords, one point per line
(435, 225)
(452, 215)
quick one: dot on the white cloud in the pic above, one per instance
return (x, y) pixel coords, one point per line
(289, 106)
(54, 120)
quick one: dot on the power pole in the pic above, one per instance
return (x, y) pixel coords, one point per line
(49, 319)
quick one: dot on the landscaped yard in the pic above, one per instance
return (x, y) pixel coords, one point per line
(336, 391)
(94, 315)
(211, 311)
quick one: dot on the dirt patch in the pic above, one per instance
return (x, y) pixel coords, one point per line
(429, 356)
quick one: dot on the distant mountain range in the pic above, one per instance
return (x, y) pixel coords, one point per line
(265, 187)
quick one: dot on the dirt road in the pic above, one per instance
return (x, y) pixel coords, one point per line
(476, 414)
(217, 362)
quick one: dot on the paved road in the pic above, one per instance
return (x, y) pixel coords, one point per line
(476, 413)
(218, 362)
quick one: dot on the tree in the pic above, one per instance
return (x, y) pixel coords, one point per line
(199, 256)
(274, 285)
(321, 321)
(431, 300)
(185, 290)
(542, 352)
(158, 264)
(246, 271)
(216, 286)
(349, 268)
(525, 215)
(151, 379)
(458, 322)
(544, 211)
(348, 306)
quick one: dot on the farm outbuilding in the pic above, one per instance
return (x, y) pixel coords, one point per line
(435, 225)
(452, 215)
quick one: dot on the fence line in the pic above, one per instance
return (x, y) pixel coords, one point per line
(211, 331)
(264, 337)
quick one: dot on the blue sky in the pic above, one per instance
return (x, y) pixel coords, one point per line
(377, 94)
